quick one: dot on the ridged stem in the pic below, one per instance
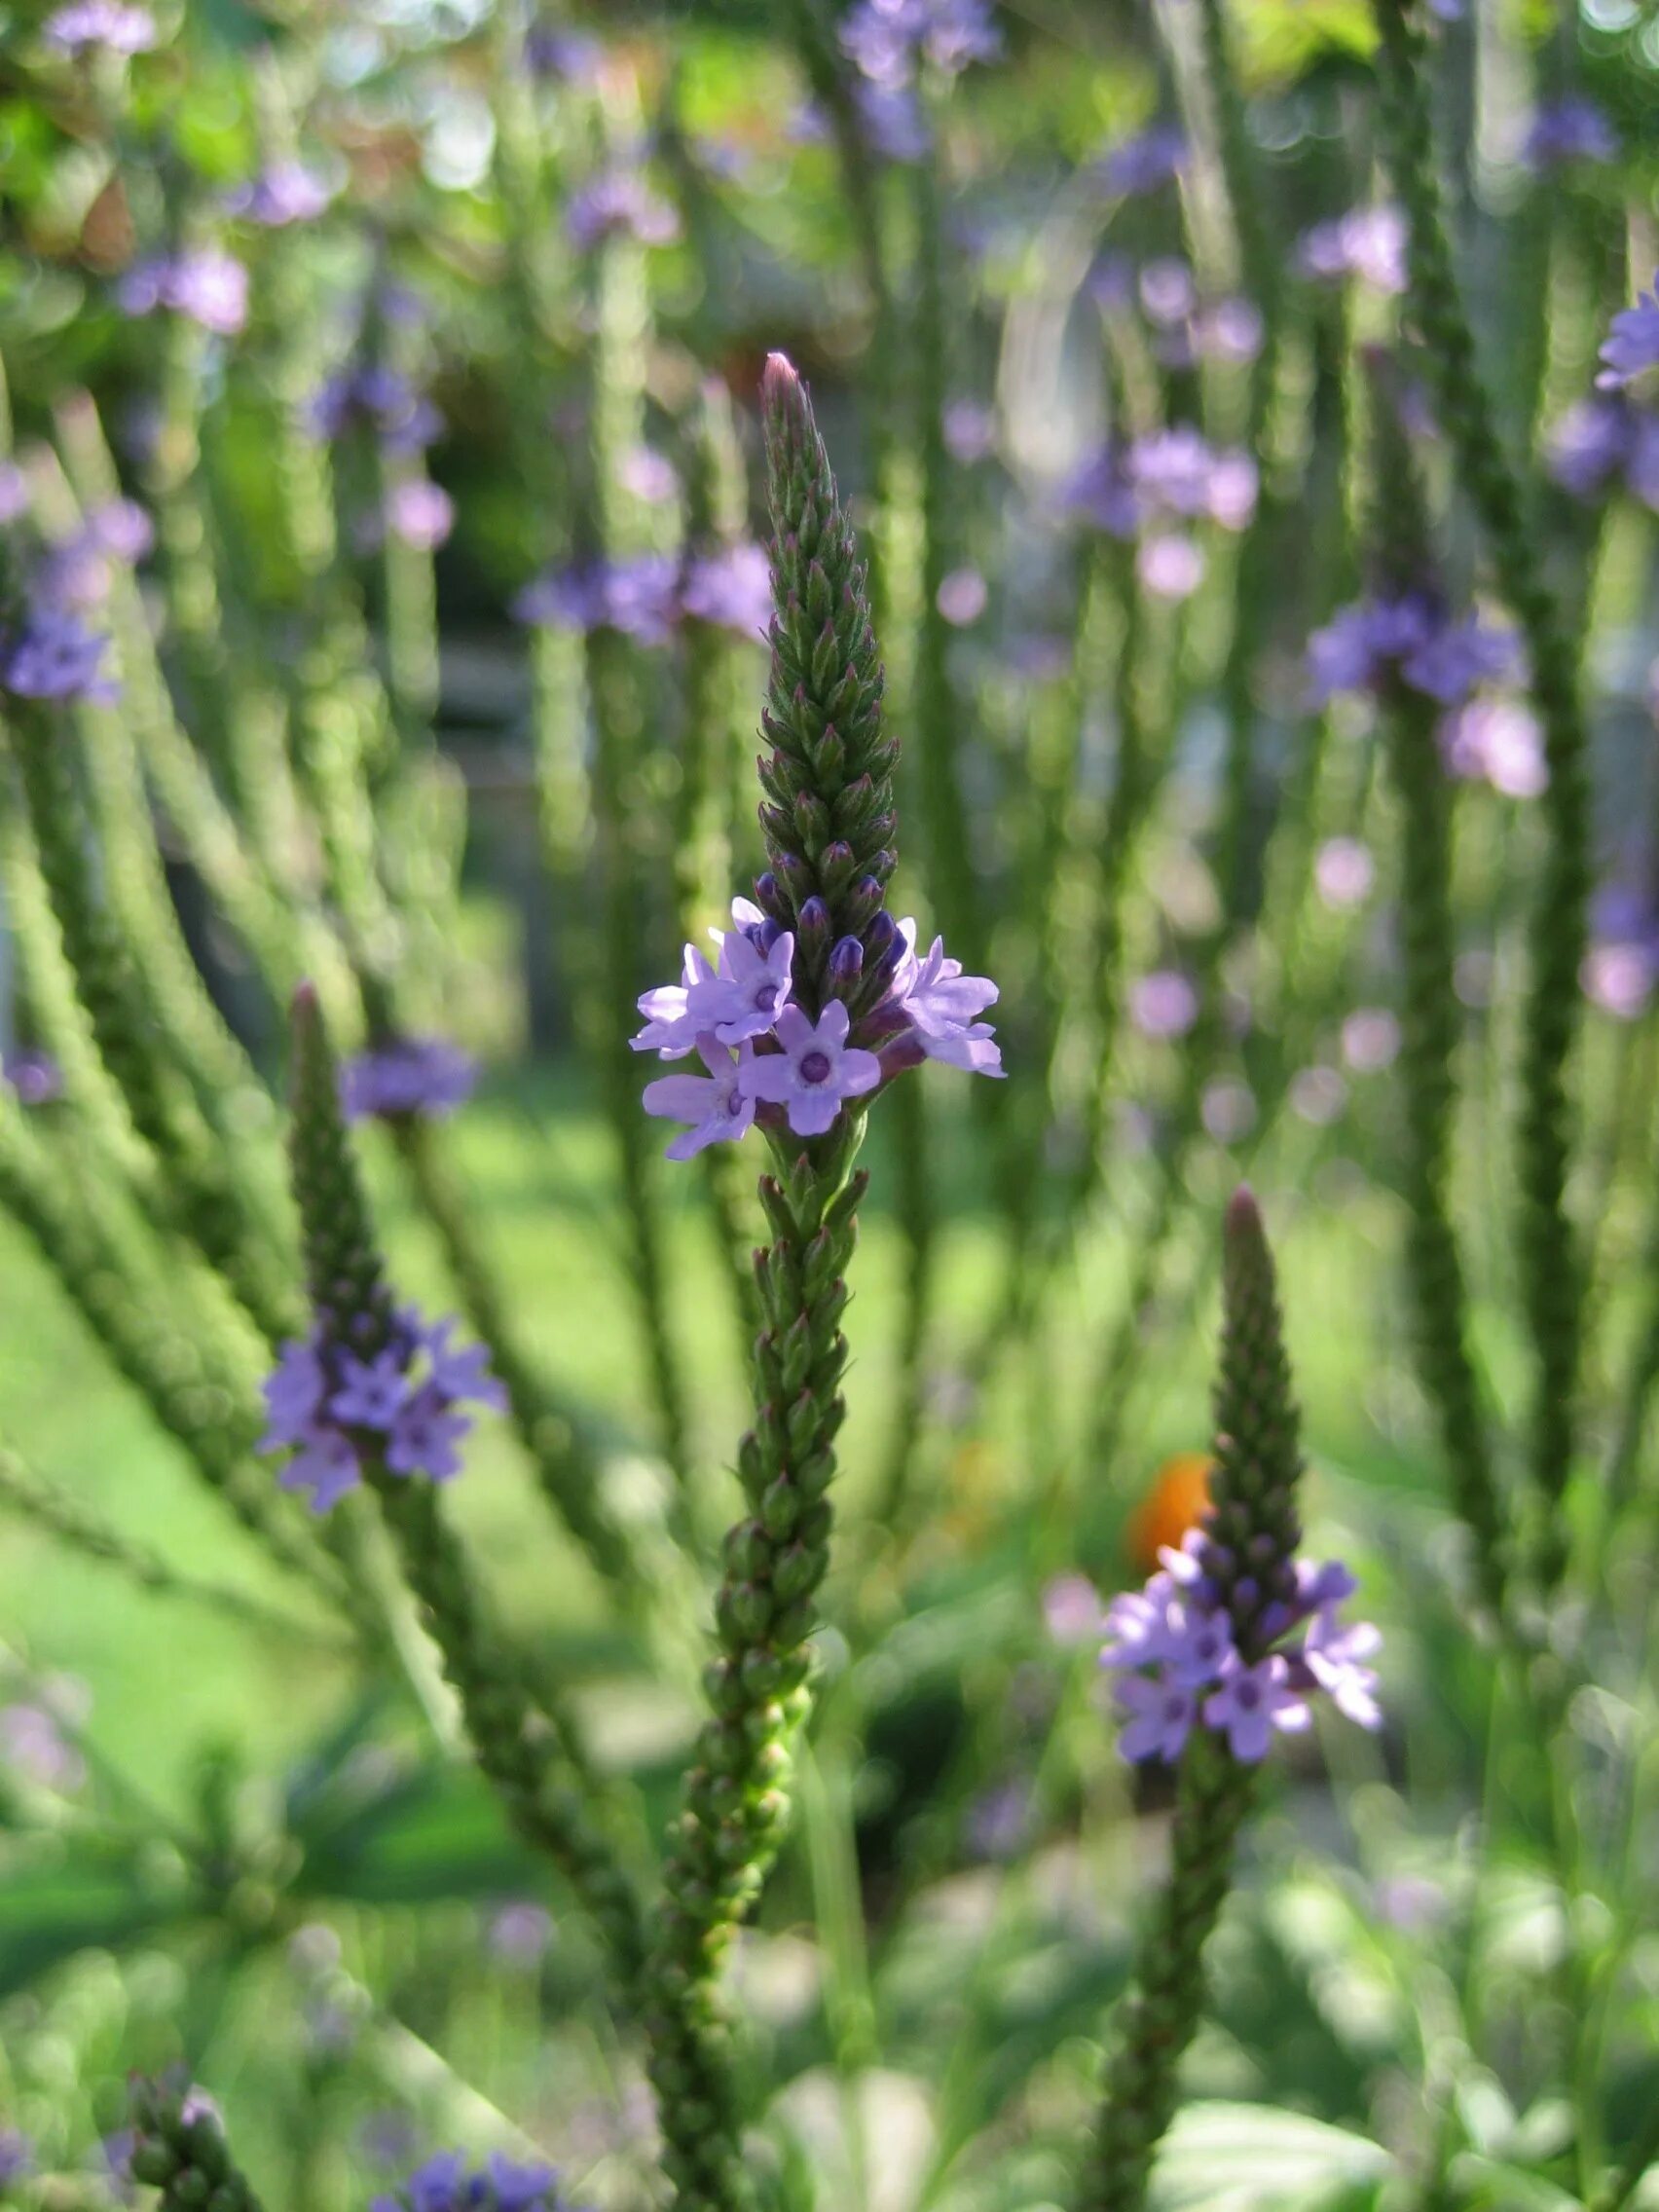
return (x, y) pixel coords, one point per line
(524, 1744)
(1252, 1531)
(1552, 1273)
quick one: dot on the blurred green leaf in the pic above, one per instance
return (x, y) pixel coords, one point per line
(1222, 2158)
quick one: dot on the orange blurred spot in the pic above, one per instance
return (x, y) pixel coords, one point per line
(1175, 1503)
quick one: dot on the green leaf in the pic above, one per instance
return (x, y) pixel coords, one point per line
(1224, 2158)
(73, 1902)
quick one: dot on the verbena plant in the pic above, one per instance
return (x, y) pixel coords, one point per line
(907, 1839)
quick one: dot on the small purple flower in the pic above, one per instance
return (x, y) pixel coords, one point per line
(123, 530)
(1140, 164)
(1164, 1003)
(1619, 979)
(1139, 1625)
(1333, 1654)
(1072, 1610)
(53, 656)
(17, 2152)
(943, 1006)
(814, 1072)
(327, 1466)
(424, 1437)
(1499, 740)
(1227, 330)
(35, 1077)
(970, 430)
(1458, 656)
(671, 1026)
(285, 193)
(1590, 445)
(459, 1371)
(963, 597)
(1167, 292)
(731, 589)
(618, 202)
(1367, 242)
(520, 1934)
(1631, 347)
(572, 56)
(108, 23)
(405, 1076)
(1371, 1038)
(638, 597)
(1443, 658)
(650, 475)
(1171, 565)
(1345, 872)
(1571, 129)
(716, 1107)
(1251, 1703)
(885, 39)
(1198, 1647)
(379, 400)
(293, 1395)
(203, 283)
(370, 1393)
(1162, 1713)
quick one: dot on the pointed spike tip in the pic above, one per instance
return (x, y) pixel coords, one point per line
(780, 380)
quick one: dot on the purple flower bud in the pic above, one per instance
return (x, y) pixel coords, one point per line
(846, 960)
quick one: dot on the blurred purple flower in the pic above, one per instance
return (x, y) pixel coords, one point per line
(405, 1076)
(1570, 129)
(1171, 565)
(376, 400)
(715, 1107)
(815, 1070)
(1167, 292)
(1072, 1610)
(14, 491)
(1632, 345)
(203, 283)
(648, 476)
(1345, 872)
(892, 121)
(34, 1076)
(1162, 1713)
(518, 1933)
(107, 23)
(285, 193)
(574, 57)
(419, 514)
(1164, 1003)
(1000, 1821)
(1317, 1095)
(963, 597)
(619, 202)
(32, 1742)
(731, 588)
(16, 2156)
(1228, 1111)
(1367, 242)
(637, 597)
(1366, 644)
(970, 430)
(885, 40)
(1251, 1703)
(1500, 741)
(53, 656)
(1371, 1040)
(1140, 164)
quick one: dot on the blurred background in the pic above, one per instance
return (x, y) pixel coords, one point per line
(384, 378)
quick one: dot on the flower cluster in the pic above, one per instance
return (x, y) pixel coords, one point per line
(620, 202)
(109, 23)
(203, 283)
(1632, 345)
(1154, 157)
(49, 653)
(1172, 1644)
(1412, 638)
(285, 193)
(333, 1410)
(1367, 242)
(886, 40)
(648, 596)
(763, 1051)
(375, 400)
(406, 1076)
(1602, 439)
(1154, 488)
(1571, 129)
(447, 2184)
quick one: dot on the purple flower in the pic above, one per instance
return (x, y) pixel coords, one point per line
(376, 400)
(419, 514)
(444, 2184)
(518, 1933)
(1171, 565)
(970, 430)
(35, 1077)
(1371, 1038)
(1227, 330)
(53, 656)
(285, 193)
(1334, 1655)
(814, 1072)
(1619, 979)
(1164, 1003)
(1345, 872)
(650, 475)
(327, 1466)
(943, 1006)
(100, 23)
(1367, 242)
(731, 589)
(396, 1409)
(1571, 129)
(1162, 1713)
(1499, 740)
(1251, 1703)
(1071, 1609)
(1228, 1111)
(1631, 347)
(1590, 445)
(425, 1435)
(404, 1077)
(122, 529)
(17, 2152)
(671, 1027)
(716, 1106)
(1167, 292)
(1457, 656)
(1177, 472)
(884, 39)
(637, 597)
(892, 121)
(1140, 164)
(203, 283)
(617, 202)
(1197, 1646)
(14, 491)
(963, 597)
(570, 55)
(32, 1742)
(1443, 658)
